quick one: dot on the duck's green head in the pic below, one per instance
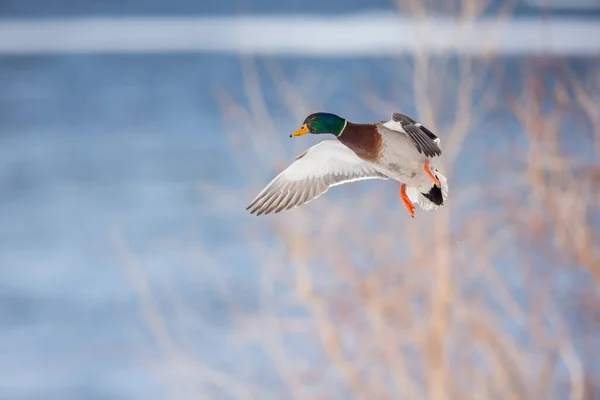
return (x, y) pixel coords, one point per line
(321, 123)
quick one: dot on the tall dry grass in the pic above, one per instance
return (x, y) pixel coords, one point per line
(495, 296)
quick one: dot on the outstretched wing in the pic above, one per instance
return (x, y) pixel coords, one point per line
(424, 140)
(328, 163)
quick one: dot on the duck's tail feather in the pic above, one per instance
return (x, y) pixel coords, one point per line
(434, 198)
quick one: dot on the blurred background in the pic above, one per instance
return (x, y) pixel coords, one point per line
(133, 134)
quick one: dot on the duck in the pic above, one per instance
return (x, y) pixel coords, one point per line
(399, 149)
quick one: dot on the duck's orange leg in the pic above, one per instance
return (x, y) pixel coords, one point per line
(435, 180)
(406, 201)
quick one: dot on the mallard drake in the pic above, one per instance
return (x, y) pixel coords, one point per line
(399, 149)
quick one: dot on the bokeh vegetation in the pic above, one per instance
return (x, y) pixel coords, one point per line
(495, 296)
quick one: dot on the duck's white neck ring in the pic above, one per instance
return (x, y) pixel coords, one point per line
(342, 131)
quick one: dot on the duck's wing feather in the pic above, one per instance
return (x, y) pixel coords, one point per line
(425, 141)
(326, 164)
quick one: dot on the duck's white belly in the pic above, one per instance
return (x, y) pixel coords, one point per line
(400, 160)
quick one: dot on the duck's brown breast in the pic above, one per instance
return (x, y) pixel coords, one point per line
(364, 139)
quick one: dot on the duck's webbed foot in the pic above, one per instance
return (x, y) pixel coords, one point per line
(406, 201)
(435, 180)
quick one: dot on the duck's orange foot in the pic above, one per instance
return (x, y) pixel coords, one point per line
(406, 201)
(435, 180)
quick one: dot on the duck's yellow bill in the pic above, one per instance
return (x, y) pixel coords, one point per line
(302, 131)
